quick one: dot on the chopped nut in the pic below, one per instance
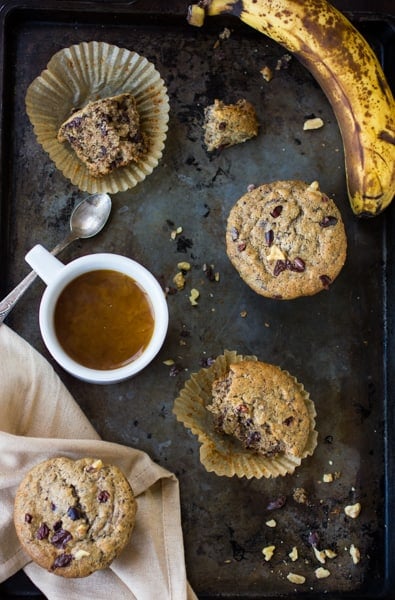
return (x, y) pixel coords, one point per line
(95, 466)
(295, 578)
(175, 233)
(271, 523)
(313, 191)
(268, 552)
(282, 62)
(80, 554)
(243, 313)
(196, 15)
(320, 555)
(315, 123)
(275, 254)
(353, 510)
(300, 495)
(184, 266)
(314, 186)
(267, 73)
(330, 553)
(355, 554)
(293, 555)
(225, 34)
(82, 529)
(179, 280)
(329, 477)
(194, 295)
(321, 573)
(169, 362)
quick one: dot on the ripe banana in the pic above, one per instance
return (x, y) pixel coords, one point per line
(350, 75)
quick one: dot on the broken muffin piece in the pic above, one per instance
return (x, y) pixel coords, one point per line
(105, 134)
(229, 124)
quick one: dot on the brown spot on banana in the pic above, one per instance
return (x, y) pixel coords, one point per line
(350, 75)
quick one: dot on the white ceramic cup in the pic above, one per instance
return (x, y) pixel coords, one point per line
(56, 275)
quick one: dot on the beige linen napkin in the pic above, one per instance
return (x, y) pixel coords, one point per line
(40, 419)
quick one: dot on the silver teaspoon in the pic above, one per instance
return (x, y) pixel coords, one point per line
(86, 220)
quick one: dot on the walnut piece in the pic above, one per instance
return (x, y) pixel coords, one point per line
(268, 552)
(321, 573)
(353, 510)
(294, 555)
(267, 73)
(271, 523)
(295, 578)
(355, 554)
(315, 123)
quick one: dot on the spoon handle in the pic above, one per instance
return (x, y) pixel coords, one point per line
(8, 303)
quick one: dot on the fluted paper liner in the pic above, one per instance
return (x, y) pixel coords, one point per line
(87, 72)
(224, 454)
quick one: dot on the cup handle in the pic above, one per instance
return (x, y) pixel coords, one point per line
(44, 263)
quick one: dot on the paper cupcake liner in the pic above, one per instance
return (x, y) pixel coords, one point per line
(87, 72)
(224, 454)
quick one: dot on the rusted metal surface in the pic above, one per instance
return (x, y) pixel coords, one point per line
(336, 343)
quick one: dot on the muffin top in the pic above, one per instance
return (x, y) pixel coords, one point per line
(286, 239)
(74, 517)
(263, 407)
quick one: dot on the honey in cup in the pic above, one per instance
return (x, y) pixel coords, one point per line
(103, 319)
(139, 314)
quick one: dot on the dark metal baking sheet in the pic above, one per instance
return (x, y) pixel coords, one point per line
(338, 343)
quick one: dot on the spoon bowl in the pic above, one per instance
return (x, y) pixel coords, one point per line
(90, 215)
(87, 219)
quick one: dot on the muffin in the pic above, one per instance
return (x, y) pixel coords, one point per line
(105, 134)
(286, 239)
(252, 419)
(229, 124)
(75, 79)
(74, 517)
(260, 405)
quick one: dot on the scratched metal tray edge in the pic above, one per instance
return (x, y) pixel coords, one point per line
(19, 586)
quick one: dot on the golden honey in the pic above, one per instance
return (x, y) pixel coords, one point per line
(103, 319)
